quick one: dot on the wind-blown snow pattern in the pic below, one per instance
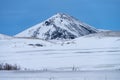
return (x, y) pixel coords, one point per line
(59, 26)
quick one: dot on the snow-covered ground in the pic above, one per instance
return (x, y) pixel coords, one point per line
(82, 75)
(84, 58)
(84, 53)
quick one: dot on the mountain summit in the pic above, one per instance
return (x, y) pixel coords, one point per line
(59, 26)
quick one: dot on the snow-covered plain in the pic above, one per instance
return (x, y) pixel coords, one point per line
(84, 58)
(84, 53)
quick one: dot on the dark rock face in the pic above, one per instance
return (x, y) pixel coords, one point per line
(59, 34)
(47, 23)
(63, 34)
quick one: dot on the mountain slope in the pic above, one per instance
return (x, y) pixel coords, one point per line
(59, 26)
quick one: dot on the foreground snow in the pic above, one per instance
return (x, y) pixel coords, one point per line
(85, 53)
(82, 75)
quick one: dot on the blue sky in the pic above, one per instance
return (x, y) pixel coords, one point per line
(18, 15)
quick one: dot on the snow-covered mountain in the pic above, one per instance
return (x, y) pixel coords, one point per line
(82, 53)
(2, 36)
(59, 26)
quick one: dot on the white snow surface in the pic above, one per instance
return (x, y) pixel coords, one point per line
(53, 75)
(84, 53)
